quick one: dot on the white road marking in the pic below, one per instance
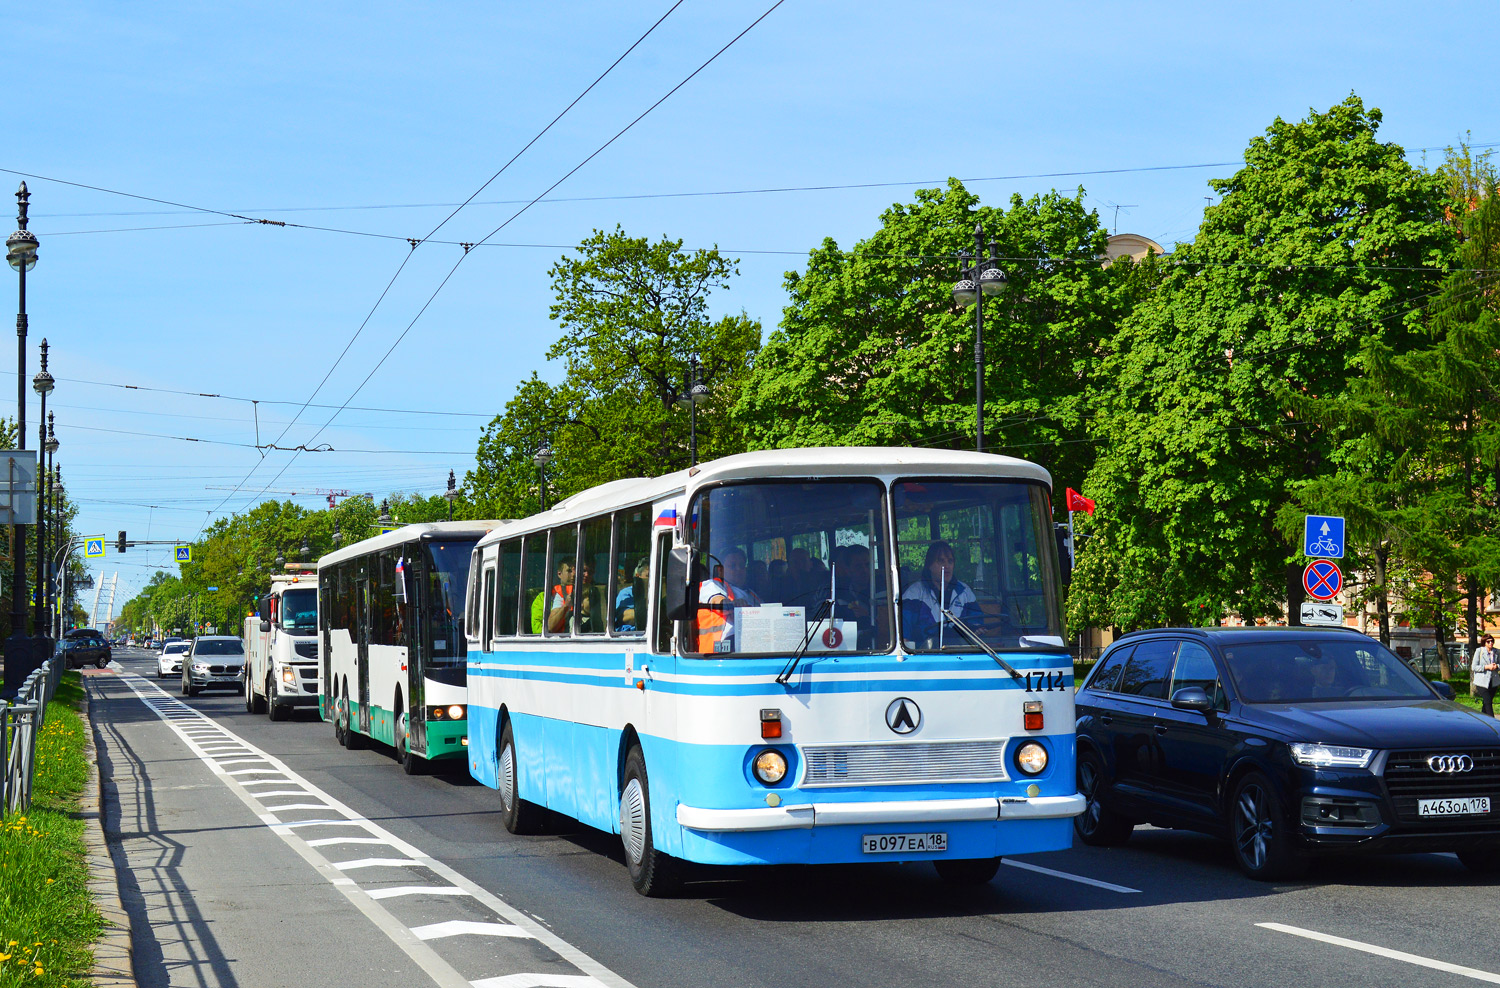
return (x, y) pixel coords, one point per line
(462, 927)
(282, 792)
(253, 771)
(539, 981)
(375, 863)
(176, 713)
(1072, 878)
(414, 890)
(325, 841)
(1398, 955)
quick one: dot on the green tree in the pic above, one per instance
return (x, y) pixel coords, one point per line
(633, 314)
(1326, 240)
(873, 350)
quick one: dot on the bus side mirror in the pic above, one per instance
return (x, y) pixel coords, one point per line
(679, 578)
(1064, 557)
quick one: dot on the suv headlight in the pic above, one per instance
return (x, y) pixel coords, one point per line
(200, 667)
(1330, 755)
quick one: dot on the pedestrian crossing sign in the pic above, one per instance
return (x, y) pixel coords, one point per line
(184, 554)
(93, 546)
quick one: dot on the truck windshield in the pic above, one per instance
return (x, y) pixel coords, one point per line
(443, 606)
(299, 611)
(983, 551)
(788, 563)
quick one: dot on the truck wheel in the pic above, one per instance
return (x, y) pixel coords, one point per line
(274, 710)
(653, 873)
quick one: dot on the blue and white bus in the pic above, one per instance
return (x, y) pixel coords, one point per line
(793, 656)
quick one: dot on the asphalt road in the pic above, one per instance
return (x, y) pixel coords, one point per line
(1166, 909)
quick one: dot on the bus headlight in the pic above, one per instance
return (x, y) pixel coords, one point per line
(770, 766)
(1031, 757)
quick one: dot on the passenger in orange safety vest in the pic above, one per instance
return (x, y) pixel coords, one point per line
(717, 599)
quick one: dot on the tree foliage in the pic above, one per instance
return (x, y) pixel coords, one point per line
(1325, 241)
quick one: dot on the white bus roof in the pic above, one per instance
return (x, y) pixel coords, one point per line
(810, 462)
(409, 533)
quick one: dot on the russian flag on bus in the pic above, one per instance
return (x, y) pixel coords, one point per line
(666, 518)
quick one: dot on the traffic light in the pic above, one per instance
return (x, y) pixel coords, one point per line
(120, 545)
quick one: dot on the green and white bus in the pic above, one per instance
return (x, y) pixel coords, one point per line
(391, 646)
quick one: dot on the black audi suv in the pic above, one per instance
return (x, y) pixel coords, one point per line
(1290, 742)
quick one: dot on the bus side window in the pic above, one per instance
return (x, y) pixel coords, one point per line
(510, 588)
(628, 572)
(533, 581)
(663, 626)
(471, 617)
(489, 604)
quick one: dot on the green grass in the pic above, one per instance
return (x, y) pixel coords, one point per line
(47, 919)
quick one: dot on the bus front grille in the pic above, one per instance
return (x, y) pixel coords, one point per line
(912, 762)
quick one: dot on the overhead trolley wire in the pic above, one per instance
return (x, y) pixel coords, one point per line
(416, 243)
(592, 155)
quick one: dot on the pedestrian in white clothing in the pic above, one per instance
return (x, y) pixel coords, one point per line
(1482, 668)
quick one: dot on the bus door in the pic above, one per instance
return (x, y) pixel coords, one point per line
(362, 644)
(418, 642)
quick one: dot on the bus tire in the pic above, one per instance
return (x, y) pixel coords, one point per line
(967, 871)
(652, 872)
(518, 815)
(411, 763)
(352, 739)
(274, 710)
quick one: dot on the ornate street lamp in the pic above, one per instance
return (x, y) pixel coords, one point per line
(42, 384)
(305, 550)
(983, 278)
(694, 393)
(541, 458)
(385, 512)
(451, 493)
(21, 255)
(49, 578)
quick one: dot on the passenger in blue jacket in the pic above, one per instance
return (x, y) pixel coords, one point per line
(922, 621)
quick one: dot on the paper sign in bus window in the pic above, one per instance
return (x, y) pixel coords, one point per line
(770, 629)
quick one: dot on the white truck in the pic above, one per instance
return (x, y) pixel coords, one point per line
(281, 646)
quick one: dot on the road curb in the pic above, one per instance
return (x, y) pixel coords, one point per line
(114, 965)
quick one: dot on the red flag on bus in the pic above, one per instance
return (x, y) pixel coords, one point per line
(1077, 502)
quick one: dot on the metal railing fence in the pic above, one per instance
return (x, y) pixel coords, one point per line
(21, 723)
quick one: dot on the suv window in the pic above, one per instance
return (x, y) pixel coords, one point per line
(1195, 667)
(1107, 672)
(218, 648)
(1149, 669)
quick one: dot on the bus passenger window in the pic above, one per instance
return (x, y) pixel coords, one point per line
(552, 609)
(533, 582)
(589, 609)
(630, 571)
(510, 587)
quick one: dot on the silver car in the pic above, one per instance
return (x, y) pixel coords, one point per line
(212, 662)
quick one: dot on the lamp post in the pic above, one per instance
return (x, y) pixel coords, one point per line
(21, 254)
(451, 493)
(541, 458)
(304, 550)
(42, 384)
(694, 393)
(338, 535)
(385, 512)
(49, 575)
(983, 278)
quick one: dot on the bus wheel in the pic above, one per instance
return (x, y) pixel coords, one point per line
(411, 764)
(967, 871)
(351, 739)
(274, 710)
(518, 815)
(652, 873)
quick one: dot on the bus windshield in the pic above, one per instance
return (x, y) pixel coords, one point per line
(789, 564)
(980, 552)
(299, 611)
(443, 610)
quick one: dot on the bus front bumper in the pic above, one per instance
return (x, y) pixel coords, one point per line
(805, 816)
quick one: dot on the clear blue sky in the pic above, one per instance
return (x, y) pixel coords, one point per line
(281, 110)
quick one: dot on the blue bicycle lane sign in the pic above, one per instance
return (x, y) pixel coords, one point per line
(1323, 537)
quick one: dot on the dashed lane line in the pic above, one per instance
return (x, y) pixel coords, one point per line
(1096, 883)
(1396, 955)
(179, 715)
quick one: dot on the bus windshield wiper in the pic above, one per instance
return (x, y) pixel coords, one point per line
(812, 629)
(968, 633)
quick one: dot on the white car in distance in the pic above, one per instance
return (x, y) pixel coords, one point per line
(169, 662)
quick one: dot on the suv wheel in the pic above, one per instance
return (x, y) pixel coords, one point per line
(1097, 825)
(1258, 827)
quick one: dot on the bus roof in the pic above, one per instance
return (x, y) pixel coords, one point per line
(811, 462)
(409, 533)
